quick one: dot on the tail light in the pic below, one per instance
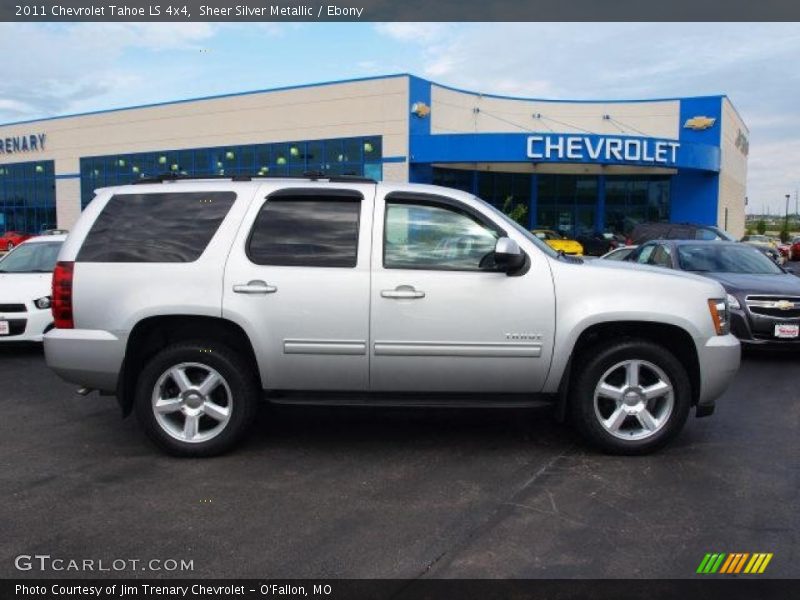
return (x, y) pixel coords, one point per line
(62, 295)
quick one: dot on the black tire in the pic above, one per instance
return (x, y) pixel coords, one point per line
(9, 246)
(591, 366)
(240, 382)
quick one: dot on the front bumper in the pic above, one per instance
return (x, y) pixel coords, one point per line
(27, 326)
(755, 330)
(87, 357)
(719, 359)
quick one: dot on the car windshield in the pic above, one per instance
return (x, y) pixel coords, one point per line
(725, 258)
(39, 257)
(527, 234)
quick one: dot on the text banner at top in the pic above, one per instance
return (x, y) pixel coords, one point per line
(398, 10)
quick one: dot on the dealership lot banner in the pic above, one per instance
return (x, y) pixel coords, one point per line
(409, 10)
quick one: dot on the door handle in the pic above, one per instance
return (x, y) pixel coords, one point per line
(254, 287)
(403, 292)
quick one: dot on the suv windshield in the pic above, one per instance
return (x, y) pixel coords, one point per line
(38, 257)
(725, 258)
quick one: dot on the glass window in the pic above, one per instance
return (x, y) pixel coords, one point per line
(643, 258)
(634, 199)
(27, 196)
(306, 232)
(158, 228)
(567, 203)
(661, 257)
(422, 236)
(38, 257)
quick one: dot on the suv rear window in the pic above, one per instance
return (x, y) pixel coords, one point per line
(156, 228)
(306, 231)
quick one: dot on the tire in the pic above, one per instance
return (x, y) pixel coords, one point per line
(620, 418)
(9, 246)
(191, 422)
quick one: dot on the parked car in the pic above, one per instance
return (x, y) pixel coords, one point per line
(758, 238)
(764, 298)
(769, 250)
(347, 291)
(599, 243)
(10, 239)
(25, 294)
(644, 232)
(621, 253)
(794, 249)
(558, 242)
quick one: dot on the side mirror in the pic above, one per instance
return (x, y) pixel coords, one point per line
(508, 255)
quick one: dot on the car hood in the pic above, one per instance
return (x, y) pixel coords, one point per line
(748, 283)
(24, 287)
(619, 265)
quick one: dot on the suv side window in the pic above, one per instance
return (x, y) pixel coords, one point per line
(306, 231)
(155, 228)
(706, 234)
(436, 237)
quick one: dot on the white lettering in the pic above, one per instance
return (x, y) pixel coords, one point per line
(594, 152)
(574, 150)
(533, 139)
(549, 146)
(633, 150)
(613, 148)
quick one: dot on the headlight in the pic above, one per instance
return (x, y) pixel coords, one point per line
(720, 315)
(733, 302)
(43, 302)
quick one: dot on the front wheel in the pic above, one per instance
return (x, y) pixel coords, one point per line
(9, 246)
(630, 397)
(196, 398)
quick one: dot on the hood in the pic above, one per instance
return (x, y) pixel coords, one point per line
(24, 287)
(784, 284)
(623, 268)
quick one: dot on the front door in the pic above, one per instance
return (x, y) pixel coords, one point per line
(443, 319)
(297, 281)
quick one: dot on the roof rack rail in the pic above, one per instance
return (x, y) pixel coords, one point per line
(311, 175)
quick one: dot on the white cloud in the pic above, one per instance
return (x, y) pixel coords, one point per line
(413, 32)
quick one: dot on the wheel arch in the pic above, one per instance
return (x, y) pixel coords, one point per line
(676, 339)
(152, 334)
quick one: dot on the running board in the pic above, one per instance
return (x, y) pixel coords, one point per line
(410, 400)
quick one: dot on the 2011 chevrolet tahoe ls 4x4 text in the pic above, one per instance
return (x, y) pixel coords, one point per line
(191, 300)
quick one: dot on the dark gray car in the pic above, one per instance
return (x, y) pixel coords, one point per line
(764, 298)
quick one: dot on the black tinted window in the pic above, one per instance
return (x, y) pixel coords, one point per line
(158, 228)
(307, 232)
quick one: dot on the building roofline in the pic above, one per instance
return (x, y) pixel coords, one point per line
(355, 80)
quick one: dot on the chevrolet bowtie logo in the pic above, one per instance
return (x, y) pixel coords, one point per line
(784, 305)
(699, 123)
(420, 109)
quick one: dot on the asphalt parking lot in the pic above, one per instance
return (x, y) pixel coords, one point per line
(365, 493)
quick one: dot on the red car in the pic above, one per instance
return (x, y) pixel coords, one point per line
(794, 249)
(11, 239)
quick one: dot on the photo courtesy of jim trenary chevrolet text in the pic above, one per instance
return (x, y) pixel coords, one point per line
(370, 299)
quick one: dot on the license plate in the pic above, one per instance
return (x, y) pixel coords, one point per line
(787, 331)
(4, 330)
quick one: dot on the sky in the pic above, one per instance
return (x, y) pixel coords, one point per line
(55, 69)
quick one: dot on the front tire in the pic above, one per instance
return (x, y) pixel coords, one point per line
(9, 246)
(630, 397)
(196, 398)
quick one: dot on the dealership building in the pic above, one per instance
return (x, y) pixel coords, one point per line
(573, 165)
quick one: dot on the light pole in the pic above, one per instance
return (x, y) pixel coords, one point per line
(786, 217)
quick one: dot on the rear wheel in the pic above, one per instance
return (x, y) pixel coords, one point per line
(9, 246)
(630, 397)
(196, 398)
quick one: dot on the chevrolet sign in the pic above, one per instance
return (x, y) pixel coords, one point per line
(700, 123)
(602, 149)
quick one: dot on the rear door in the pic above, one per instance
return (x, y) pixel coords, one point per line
(297, 281)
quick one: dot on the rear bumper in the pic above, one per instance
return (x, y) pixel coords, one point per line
(719, 359)
(87, 357)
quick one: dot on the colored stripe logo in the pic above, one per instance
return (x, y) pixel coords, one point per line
(734, 563)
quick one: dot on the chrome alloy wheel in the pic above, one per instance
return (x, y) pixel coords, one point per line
(633, 400)
(192, 402)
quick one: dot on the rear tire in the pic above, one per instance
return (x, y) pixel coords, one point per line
(9, 246)
(629, 397)
(196, 398)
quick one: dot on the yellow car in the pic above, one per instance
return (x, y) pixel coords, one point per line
(558, 242)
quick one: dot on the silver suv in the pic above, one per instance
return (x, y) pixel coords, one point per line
(191, 300)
